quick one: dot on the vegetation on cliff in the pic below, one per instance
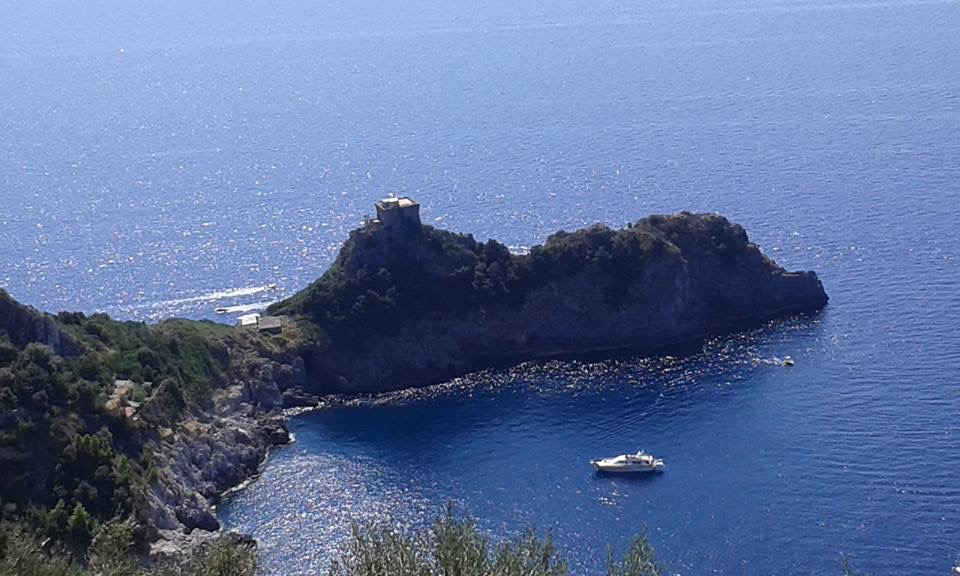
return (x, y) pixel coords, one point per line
(380, 282)
(453, 546)
(72, 441)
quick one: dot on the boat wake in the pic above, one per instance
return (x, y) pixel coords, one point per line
(254, 307)
(209, 297)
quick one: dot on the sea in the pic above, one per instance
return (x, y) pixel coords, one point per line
(168, 158)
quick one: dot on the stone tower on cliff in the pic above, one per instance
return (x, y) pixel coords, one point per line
(398, 213)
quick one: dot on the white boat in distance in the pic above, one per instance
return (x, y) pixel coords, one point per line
(639, 462)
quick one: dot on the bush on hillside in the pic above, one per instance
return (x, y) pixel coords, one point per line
(111, 555)
(454, 546)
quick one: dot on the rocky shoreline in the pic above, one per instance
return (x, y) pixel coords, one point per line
(201, 467)
(219, 449)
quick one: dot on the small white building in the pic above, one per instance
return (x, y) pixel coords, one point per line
(248, 320)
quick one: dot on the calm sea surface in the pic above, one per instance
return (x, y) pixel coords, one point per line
(168, 158)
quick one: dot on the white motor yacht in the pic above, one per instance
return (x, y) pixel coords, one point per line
(639, 462)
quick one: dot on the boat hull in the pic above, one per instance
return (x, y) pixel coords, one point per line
(626, 468)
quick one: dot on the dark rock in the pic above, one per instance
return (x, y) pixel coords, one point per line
(298, 398)
(194, 518)
(278, 434)
(23, 325)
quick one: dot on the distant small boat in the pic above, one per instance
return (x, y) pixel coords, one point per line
(639, 462)
(788, 361)
(222, 310)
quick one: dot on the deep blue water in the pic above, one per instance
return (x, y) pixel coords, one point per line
(167, 158)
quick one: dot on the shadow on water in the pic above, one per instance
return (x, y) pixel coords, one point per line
(563, 389)
(616, 479)
(686, 349)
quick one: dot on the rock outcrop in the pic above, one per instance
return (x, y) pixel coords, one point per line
(418, 307)
(23, 325)
(220, 446)
(201, 460)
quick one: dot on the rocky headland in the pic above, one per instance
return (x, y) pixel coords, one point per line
(406, 304)
(155, 422)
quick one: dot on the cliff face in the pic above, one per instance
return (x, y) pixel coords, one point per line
(219, 446)
(23, 325)
(415, 308)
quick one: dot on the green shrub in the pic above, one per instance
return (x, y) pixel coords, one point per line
(227, 556)
(453, 547)
(640, 560)
(111, 555)
(460, 548)
(528, 555)
(379, 282)
(80, 526)
(23, 556)
(8, 354)
(382, 551)
(59, 441)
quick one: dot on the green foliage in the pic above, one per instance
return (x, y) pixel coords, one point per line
(23, 556)
(454, 547)
(74, 318)
(8, 399)
(166, 404)
(528, 555)
(68, 453)
(226, 557)
(111, 555)
(74, 461)
(381, 282)
(190, 353)
(384, 552)
(80, 526)
(460, 548)
(8, 354)
(640, 561)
